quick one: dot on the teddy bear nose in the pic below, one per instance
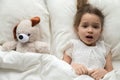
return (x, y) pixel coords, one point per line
(20, 37)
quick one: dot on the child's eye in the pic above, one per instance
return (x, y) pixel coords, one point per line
(95, 26)
(84, 26)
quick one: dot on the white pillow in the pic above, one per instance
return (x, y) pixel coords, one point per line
(111, 33)
(61, 15)
(13, 11)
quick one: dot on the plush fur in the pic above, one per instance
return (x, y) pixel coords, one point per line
(26, 38)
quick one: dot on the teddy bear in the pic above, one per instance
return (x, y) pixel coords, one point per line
(26, 35)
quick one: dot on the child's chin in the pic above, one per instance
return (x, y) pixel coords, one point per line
(90, 44)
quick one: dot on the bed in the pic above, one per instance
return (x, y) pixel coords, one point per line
(57, 28)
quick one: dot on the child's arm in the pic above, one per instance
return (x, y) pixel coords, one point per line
(108, 65)
(100, 73)
(67, 58)
(79, 69)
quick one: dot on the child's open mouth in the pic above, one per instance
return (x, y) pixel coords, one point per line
(89, 37)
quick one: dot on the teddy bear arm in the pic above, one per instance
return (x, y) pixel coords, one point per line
(42, 47)
(7, 46)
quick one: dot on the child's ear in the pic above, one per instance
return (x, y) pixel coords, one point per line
(14, 32)
(35, 21)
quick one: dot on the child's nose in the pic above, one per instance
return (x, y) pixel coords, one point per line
(90, 30)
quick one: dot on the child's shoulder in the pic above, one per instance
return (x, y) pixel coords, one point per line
(103, 43)
(73, 40)
(105, 46)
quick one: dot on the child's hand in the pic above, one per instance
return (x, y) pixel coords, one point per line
(79, 69)
(97, 74)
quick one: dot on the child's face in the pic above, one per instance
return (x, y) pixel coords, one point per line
(89, 29)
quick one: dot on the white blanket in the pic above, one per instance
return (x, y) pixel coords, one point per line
(34, 66)
(113, 75)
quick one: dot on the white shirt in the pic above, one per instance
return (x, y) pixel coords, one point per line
(90, 56)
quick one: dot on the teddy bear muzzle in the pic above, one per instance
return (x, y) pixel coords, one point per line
(23, 38)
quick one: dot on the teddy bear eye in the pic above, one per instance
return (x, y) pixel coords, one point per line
(28, 34)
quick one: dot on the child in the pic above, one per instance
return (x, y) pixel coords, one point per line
(89, 56)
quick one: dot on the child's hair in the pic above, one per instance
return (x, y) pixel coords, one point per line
(87, 8)
(80, 3)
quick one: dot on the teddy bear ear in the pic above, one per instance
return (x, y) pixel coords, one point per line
(35, 21)
(14, 32)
